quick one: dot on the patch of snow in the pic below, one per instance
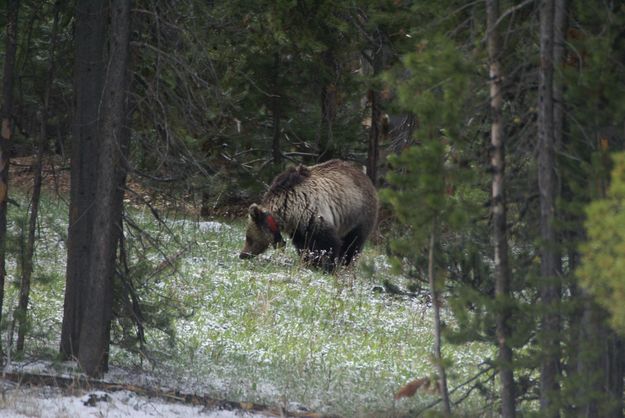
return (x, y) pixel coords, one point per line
(202, 226)
(134, 377)
(21, 402)
(211, 226)
(381, 262)
(42, 367)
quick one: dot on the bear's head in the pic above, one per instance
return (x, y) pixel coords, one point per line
(262, 231)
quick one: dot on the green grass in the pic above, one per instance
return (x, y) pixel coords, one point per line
(266, 330)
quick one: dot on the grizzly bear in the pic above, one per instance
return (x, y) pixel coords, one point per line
(327, 209)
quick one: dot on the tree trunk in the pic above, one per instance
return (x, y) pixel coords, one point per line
(559, 35)
(502, 270)
(27, 267)
(373, 151)
(614, 367)
(549, 267)
(325, 136)
(376, 131)
(276, 111)
(6, 131)
(600, 366)
(88, 81)
(95, 329)
(438, 358)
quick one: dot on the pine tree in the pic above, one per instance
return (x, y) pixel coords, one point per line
(7, 130)
(427, 177)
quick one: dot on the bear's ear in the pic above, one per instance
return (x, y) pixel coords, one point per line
(256, 213)
(303, 171)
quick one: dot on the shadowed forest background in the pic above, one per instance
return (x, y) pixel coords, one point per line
(494, 131)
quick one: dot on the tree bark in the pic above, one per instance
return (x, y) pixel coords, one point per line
(325, 139)
(27, 268)
(276, 112)
(6, 131)
(502, 269)
(95, 329)
(600, 366)
(559, 34)
(88, 81)
(376, 131)
(614, 367)
(373, 150)
(437, 329)
(549, 267)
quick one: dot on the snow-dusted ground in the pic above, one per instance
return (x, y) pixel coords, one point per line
(47, 402)
(24, 400)
(267, 330)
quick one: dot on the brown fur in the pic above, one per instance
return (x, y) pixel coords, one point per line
(328, 210)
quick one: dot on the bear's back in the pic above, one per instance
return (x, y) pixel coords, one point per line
(337, 191)
(348, 199)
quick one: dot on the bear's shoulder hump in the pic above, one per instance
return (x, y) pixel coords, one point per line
(289, 179)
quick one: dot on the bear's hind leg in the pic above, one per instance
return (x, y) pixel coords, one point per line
(352, 245)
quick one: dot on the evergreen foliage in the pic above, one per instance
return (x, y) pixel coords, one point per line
(602, 269)
(223, 94)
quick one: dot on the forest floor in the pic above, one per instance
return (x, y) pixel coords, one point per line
(51, 402)
(238, 334)
(40, 391)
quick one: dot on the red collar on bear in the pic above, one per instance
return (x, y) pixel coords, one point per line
(275, 230)
(272, 224)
